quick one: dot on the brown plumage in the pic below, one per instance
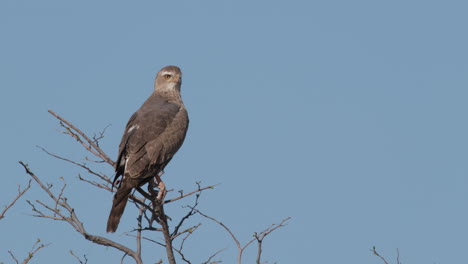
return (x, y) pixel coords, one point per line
(152, 136)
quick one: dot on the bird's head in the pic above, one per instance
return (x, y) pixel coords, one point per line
(168, 80)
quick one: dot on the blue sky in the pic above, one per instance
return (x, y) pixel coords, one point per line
(348, 116)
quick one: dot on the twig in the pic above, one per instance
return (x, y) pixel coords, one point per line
(35, 248)
(96, 138)
(212, 256)
(102, 177)
(239, 248)
(13, 257)
(187, 216)
(73, 220)
(398, 256)
(378, 255)
(85, 261)
(20, 193)
(148, 239)
(190, 193)
(91, 146)
(60, 197)
(181, 247)
(259, 238)
(263, 234)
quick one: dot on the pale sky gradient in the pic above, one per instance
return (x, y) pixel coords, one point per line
(348, 116)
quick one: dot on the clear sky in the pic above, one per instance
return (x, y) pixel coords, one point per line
(348, 116)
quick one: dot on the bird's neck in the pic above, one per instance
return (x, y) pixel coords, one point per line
(169, 95)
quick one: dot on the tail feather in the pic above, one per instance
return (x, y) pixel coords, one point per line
(118, 207)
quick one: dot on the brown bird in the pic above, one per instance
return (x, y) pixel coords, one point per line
(152, 136)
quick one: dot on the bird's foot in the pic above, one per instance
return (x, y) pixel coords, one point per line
(162, 191)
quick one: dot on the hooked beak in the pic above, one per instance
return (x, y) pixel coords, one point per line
(176, 78)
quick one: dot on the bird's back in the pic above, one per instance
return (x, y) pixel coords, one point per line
(152, 136)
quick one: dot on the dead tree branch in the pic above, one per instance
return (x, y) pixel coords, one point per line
(150, 209)
(88, 143)
(373, 250)
(208, 261)
(378, 255)
(35, 248)
(85, 261)
(259, 237)
(72, 218)
(81, 165)
(20, 193)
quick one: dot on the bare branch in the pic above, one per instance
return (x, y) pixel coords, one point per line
(221, 224)
(378, 255)
(264, 233)
(96, 138)
(150, 209)
(180, 250)
(102, 177)
(239, 248)
(189, 232)
(188, 194)
(85, 261)
(90, 145)
(13, 257)
(190, 213)
(212, 256)
(148, 239)
(20, 193)
(165, 230)
(35, 248)
(73, 220)
(138, 238)
(258, 237)
(96, 184)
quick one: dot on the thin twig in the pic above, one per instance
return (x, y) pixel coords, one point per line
(190, 193)
(92, 147)
(102, 177)
(20, 193)
(208, 261)
(34, 250)
(259, 237)
(13, 257)
(187, 216)
(85, 261)
(239, 248)
(96, 138)
(189, 232)
(378, 255)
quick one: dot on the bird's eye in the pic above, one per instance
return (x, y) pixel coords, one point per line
(167, 76)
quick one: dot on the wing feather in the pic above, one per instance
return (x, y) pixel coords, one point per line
(152, 136)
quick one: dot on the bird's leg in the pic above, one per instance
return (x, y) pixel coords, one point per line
(162, 188)
(151, 187)
(154, 202)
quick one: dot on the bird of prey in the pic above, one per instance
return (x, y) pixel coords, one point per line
(152, 136)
